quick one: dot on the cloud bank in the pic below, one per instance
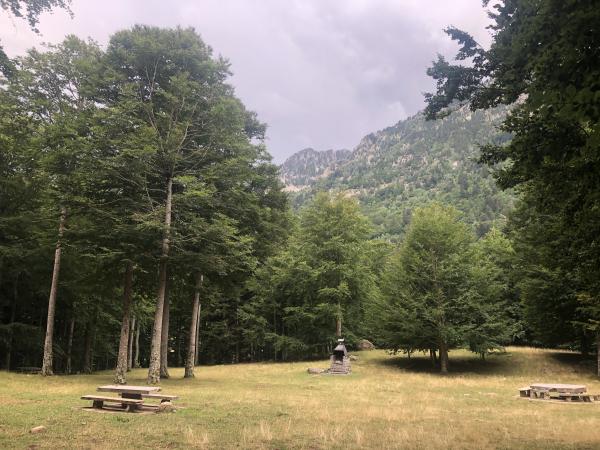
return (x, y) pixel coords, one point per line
(320, 73)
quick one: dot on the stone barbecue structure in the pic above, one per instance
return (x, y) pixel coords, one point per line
(340, 362)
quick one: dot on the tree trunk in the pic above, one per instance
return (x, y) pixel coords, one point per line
(338, 322)
(130, 349)
(198, 333)
(193, 341)
(90, 332)
(70, 345)
(443, 357)
(13, 316)
(136, 356)
(432, 357)
(180, 339)
(164, 338)
(585, 345)
(48, 342)
(154, 365)
(598, 351)
(122, 359)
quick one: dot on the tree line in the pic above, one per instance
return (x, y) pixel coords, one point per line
(138, 172)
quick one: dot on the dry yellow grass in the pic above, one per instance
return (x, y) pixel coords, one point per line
(387, 402)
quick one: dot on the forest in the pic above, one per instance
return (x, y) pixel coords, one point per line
(144, 224)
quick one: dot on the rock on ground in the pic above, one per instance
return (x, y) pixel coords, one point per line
(315, 371)
(39, 429)
(165, 407)
(363, 344)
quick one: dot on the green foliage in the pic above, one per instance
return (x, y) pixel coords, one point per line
(496, 316)
(443, 290)
(544, 60)
(98, 133)
(32, 9)
(324, 274)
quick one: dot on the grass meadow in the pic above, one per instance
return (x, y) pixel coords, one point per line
(387, 402)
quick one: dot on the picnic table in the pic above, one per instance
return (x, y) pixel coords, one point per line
(560, 388)
(130, 397)
(559, 391)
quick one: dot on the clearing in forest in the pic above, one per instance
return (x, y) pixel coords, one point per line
(387, 402)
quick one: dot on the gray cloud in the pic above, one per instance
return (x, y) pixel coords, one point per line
(321, 73)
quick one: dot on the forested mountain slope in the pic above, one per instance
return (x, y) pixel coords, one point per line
(409, 164)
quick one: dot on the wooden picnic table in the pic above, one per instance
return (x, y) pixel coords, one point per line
(560, 388)
(129, 391)
(558, 391)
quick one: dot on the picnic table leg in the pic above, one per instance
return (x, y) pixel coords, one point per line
(98, 404)
(130, 407)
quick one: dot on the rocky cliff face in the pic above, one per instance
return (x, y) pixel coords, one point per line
(414, 162)
(306, 167)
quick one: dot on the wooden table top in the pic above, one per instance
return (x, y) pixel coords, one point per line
(128, 389)
(558, 387)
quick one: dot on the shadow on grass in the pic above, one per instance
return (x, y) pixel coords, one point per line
(577, 361)
(499, 364)
(509, 363)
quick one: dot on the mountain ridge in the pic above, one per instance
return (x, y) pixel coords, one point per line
(406, 165)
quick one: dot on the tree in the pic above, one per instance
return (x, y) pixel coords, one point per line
(496, 312)
(32, 9)
(428, 286)
(52, 88)
(315, 288)
(543, 59)
(175, 81)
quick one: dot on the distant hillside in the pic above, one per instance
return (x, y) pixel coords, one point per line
(304, 168)
(409, 164)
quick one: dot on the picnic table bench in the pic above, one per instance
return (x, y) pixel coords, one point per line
(98, 401)
(163, 397)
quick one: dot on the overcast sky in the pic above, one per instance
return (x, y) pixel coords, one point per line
(320, 73)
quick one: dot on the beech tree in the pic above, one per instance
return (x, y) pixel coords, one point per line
(428, 284)
(52, 86)
(315, 289)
